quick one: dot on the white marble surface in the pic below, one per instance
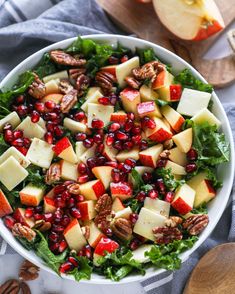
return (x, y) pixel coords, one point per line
(48, 283)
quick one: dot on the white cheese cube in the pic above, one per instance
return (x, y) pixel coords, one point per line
(40, 153)
(58, 75)
(12, 173)
(158, 206)
(79, 149)
(12, 151)
(12, 118)
(75, 126)
(99, 111)
(192, 101)
(206, 116)
(147, 221)
(30, 129)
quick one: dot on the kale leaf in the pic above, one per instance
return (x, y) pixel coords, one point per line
(46, 66)
(168, 178)
(83, 271)
(35, 176)
(3, 145)
(146, 55)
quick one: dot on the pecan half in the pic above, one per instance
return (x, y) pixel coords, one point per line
(148, 70)
(74, 189)
(168, 144)
(82, 84)
(37, 89)
(74, 73)
(195, 224)
(28, 271)
(25, 288)
(53, 174)
(166, 235)
(60, 57)
(165, 154)
(86, 231)
(122, 228)
(11, 286)
(68, 101)
(22, 231)
(105, 80)
(132, 82)
(42, 225)
(173, 221)
(103, 208)
(65, 87)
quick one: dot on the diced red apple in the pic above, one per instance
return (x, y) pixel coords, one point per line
(163, 79)
(52, 97)
(103, 173)
(178, 156)
(50, 194)
(87, 210)
(130, 99)
(184, 140)
(171, 93)
(19, 216)
(99, 111)
(175, 168)
(109, 152)
(92, 190)
(148, 108)
(49, 205)
(160, 133)
(110, 68)
(147, 94)
(64, 149)
(149, 157)
(5, 207)
(31, 195)
(124, 213)
(119, 117)
(104, 246)
(121, 190)
(124, 69)
(117, 205)
(123, 155)
(95, 235)
(74, 236)
(69, 170)
(173, 117)
(184, 199)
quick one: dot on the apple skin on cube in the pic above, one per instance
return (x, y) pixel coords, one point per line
(117, 205)
(171, 93)
(87, 210)
(160, 133)
(105, 245)
(109, 152)
(49, 205)
(103, 173)
(12, 118)
(119, 117)
(121, 190)
(147, 94)
(148, 108)
(9, 178)
(123, 155)
(175, 168)
(147, 221)
(124, 213)
(12, 151)
(95, 235)
(31, 130)
(150, 156)
(184, 140)
(206, 116)
(173, 117)
(5, 207)
(184, 199)
(64, 150)
(110, 69)
(31, 195)
(92, 190)
(178, 156)
(163, 79)
(130, 99)
(19, 216)
(68, 170)
(75, 126)
(99, 111)
(124, 69)
(74, 236)
(158, 206)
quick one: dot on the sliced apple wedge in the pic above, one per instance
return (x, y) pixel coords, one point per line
(160, 133)
(178, 156)
(130, 99)
(91, 98)
(190, 20)
(175, 168)
(69, 170)
(49, 205)
(109, 152)
(75, 126)
(149, 157)
(74, 236)
(103, 173)
(184, 199)
(163, 79)
(5, 207)
(123, 155)
(92, 190)
(87, 210)
(124, 69)
(173, 117)
(64, 150)
(184, 140)
(124, 213)
(95, 235)
(147, 94)
(12, 118)
(117, 205)
(31, 195)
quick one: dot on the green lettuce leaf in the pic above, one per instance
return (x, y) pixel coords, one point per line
(146, 55)
(202, 209)
(168, 178)
(3, 145)
(35, 176)
(83, 271)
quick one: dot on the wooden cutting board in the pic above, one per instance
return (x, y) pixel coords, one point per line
(215, 272)
(140, 19)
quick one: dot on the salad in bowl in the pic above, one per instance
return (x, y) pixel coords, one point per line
(108, 160)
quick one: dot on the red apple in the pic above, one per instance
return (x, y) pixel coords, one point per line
(109, 152)
(122, 190)
(130, 99)
(183, 200)
(49, 205)
(19, 216)
(64, 149)
(87, 210)
(95, 235)
(106, 245)
(31, 195)
(5, 207)
(103, 173)
(74, 236)
(110, 68)
(92, 190)
(117, 205)
(175, 119)
(160, 133)
(149, 157)
(50, 194)
(148, 108)
(119, 117)
(163, 79)
(53, 97)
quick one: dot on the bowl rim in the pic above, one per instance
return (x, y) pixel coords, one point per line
(104, 37)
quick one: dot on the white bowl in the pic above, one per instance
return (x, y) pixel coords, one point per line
(226, 171)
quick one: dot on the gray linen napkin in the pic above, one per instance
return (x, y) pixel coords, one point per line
(27, 26)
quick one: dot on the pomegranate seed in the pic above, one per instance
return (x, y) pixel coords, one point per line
(108, 232)
(113, 164)
(131, 115)
(141, 196)
(124, 58)
(160, 186)
(38, 216)
(20, 99)
(30, 107)
(80, 198)
(97, 123)
(57, 228)
(29, 211)
(51, 116)
(143, 145)
(114, 127)
(48, 217)
(63, 246)
(128, 145)
(113, 60)
(115, 173)
(75, 212)
(7, 126)
(27, 142)
(8, 136)
(54, 247)
(65, 195)
(91, 162)
(83, 179)
(71, 202)
(134, 244)
(131, 162)
(128, 125)
(161, 163)
(133, 218)
(22, 110)
(153, 194)
(39, 106)
(58, 131)
(73, 260)
(57, 109)
(150, 124)
(99, 148)
(192, 154)
(66, 267)
(65, 221)
(54, 237)
(50, 104)
(18, 134)
(113, 99)
(100, 160)
(50, 126)
(121, 136)
(126, 168)
(190, 167)
(59, 189)
(109, 139)
(118, 145)
(79, 116)
(104, 100)
(48, 137)
(88, 143)
(88, 251)
(38, 209)
(98, 138)
(80, 137)
(9, 221)
(22, 149)
(35, 116)
(82, 168)
(147, 177)
(59, 202)
(136, 130)
(136, 139)
(18, 142)
(169, 196)
(120, 165)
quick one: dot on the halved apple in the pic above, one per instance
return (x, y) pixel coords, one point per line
(149, 157)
